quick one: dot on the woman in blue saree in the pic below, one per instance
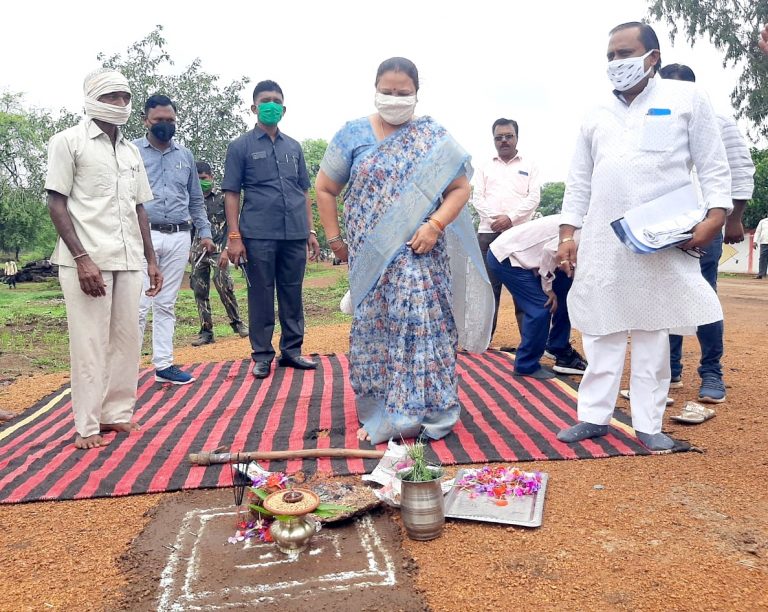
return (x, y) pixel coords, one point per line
(417, 281)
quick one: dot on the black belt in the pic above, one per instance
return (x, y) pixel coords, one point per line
(170, 228)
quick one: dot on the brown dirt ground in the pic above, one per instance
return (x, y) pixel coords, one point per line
(681, 532)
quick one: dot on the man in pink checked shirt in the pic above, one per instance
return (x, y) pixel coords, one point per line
(506, 193)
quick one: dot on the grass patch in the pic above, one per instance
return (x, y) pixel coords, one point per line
(321, 306)
(33, 319)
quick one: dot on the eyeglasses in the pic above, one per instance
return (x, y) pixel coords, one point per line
(695, 252)
(503, 137)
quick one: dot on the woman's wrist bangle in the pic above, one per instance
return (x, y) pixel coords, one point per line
(435, 224)
(336, 238)
(83, 254)
(440, 225)
(568, 239)
(234, 236)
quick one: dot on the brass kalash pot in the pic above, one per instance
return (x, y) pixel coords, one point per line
(293, 530)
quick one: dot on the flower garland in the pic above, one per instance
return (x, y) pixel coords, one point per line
(499, 482)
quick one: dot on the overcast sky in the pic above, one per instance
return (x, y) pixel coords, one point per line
(541, 63)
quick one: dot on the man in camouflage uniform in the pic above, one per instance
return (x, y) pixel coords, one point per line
(200, 279)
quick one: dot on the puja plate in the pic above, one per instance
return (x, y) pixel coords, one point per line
(525, 511)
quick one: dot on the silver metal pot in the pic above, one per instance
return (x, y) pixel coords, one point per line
(422, 506)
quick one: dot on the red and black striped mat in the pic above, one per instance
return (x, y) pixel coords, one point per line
(504, 418)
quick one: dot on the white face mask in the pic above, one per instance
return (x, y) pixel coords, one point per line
(395, 110)
(109, 113)
(626, 73)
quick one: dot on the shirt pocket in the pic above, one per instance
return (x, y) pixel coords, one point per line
(657, 133)
(97, 180)
(288, 166)
(128, 185)
(181, 172)
(260, 167)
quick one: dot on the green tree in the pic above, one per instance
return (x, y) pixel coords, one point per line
(732, 26)
(314, 149)
(551, 198)
(758, 207)
(24, 134)
(210, 115)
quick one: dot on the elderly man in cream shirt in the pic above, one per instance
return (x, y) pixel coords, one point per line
(638, 145)
(96, 185)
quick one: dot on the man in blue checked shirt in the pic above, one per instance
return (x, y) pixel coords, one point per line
(178, 205)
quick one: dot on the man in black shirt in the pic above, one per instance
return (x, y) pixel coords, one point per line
(273, 233)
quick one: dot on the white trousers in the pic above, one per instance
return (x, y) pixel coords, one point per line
(648, 382)
(104, 348)
(172, 253)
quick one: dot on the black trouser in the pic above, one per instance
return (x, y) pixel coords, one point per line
(281, 264)
(12, 281)
(763, 261)
(484, 240)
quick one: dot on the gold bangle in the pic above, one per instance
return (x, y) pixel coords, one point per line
(234, 235)
(568, 239)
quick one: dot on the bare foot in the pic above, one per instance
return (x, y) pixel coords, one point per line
(94, 441)
(119, 427)
(5, 415)
(362, 435)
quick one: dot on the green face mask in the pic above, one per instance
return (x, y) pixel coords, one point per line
(206, 185)
(270, 113)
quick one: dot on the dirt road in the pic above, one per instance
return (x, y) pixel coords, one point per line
(680, 532)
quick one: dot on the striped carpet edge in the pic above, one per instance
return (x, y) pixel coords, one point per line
(503, 419)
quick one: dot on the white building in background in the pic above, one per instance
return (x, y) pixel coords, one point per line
(740, 258)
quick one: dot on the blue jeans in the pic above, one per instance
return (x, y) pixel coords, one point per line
(711, 335)
(525, 287)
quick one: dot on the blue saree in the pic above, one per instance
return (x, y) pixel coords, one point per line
(410, 311)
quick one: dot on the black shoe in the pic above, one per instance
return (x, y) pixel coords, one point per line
(261, 368)
(296, 362)
(204, 337)
(570, 363)
(240, 329)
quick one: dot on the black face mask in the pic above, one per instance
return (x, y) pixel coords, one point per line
(163, 131)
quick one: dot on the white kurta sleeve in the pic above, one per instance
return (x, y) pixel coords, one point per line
(708, 154)
(739, 159)
(578, 187)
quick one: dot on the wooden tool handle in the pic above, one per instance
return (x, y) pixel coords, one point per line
(205, 458)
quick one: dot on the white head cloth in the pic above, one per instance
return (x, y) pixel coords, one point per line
(102, 82)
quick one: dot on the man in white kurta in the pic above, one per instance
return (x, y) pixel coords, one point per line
(640, 144)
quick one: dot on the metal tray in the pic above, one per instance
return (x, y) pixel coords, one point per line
(527, 511)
